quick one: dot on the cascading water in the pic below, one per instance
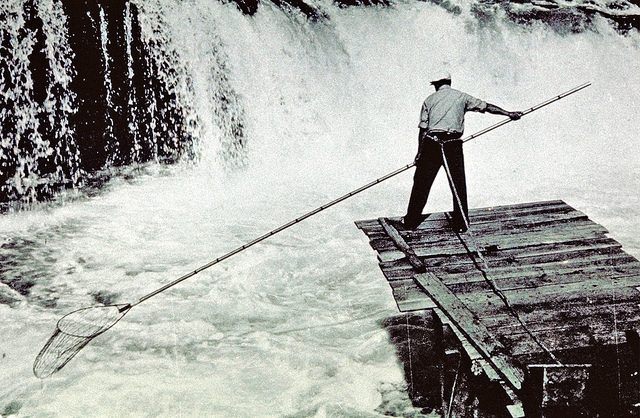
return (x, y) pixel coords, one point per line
(86, 92)
(307, 112)
(31, 142)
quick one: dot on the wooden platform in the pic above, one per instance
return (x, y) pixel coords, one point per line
(570, 284)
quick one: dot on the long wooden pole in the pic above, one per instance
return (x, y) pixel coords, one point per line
(338, 200)
(526, 112)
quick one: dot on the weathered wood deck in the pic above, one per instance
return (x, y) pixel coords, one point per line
(572, 285)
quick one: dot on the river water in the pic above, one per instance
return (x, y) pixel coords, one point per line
(291, 327)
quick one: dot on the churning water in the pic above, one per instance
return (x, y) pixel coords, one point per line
(291, 327)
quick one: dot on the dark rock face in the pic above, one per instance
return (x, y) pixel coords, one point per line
(115, 124)
(353, 3)
(81, 89)
(80, 99)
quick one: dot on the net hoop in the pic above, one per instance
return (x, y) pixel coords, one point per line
(73, 332)
(92, 321)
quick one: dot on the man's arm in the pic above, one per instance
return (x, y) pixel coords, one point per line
(491, 108)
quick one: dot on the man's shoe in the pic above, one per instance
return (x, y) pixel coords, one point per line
(410, 225)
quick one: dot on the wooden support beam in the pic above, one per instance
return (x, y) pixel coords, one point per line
(557, 388)
(402, 245)
(472, 328)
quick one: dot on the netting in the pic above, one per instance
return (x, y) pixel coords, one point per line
(74, 331)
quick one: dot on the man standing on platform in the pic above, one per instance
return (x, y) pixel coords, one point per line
(441, 128)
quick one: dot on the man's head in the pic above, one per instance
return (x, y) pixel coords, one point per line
(440, 79)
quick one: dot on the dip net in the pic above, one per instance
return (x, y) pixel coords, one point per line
(73, 332)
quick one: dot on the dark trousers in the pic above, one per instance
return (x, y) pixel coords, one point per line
(428, 164)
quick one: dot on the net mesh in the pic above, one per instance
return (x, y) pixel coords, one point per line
(74, 331)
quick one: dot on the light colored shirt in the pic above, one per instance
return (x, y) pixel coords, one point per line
(444, 110)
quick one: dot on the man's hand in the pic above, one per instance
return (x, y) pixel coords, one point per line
(496, 110)
(422, 136)
(515, 115)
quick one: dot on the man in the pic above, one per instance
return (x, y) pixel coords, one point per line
(441, 127)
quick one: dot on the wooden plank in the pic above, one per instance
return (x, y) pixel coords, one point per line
(544, 254)
(518, 223)
(486, 304)
(399, 270)
(554, 293)
(537, 249)
(471, 351)
(516, 410)
(516, 251)
(478, 362)
(611, 312)
(465, 271)
(434, 220)
(479, 215)
(526, 205)
(492, 241)
(619, 262)
(471, 327)
(513, 255)
(402, 245)
(530, 225)
(500, 246)
(536, 277)
(408, 286)
(508, 212)
(380, 240)
(565, 338)
(413, 305)
(410, 297)
(560, 214)
(521, 207)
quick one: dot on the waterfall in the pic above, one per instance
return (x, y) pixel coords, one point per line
(94, 86)
(85, 91)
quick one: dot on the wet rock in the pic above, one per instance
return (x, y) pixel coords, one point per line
(12, 408)
(105, 297)
(354, 3)
(86, 101)
(248, 7)
(312, 13)
(8, 296)
(448, 6)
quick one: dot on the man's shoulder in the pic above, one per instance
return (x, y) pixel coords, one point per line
(445, 92)
(456, 92)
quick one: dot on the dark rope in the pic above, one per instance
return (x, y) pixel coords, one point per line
(484, 269)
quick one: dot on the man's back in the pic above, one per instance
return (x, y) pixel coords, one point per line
(443, 111)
